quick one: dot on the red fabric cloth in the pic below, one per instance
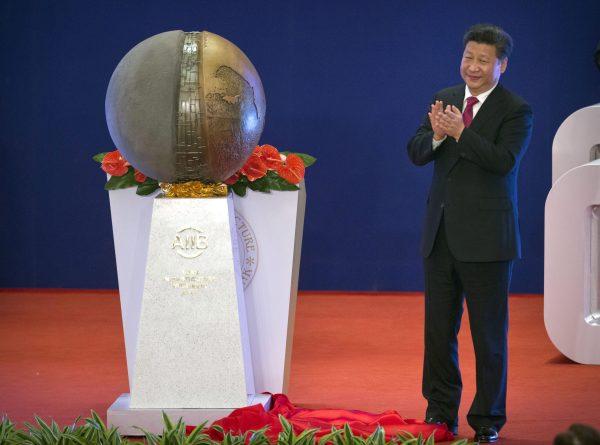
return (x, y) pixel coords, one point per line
(362, 423)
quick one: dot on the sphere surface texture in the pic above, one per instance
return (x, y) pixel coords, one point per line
(184, 106)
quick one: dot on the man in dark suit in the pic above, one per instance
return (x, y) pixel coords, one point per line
(476, 134)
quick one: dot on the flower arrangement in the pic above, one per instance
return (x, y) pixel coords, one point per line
(266, 169)
(123, 175)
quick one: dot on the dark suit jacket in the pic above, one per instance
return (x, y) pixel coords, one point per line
(474, 183)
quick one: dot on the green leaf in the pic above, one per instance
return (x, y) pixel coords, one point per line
(219, 429)
(46, 429)
(147, 187)
(227, 439)
(404, 436)
(151, 439)
(121, 182)
(336, 436)
(306, 437)
(167, 422)
(286, 426)
(239, 188)
(307, 159)
(377, 437)
(7, 431)
(348, 433)
(99, 157)
(330, 437)
(286, 436)
(73, 438)
(96, 421)
(430, 440)
(196, 434)
(259, 437)
(260, 185)
(278, 183)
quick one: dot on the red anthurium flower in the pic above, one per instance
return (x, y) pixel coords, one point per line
(139, 176)
(254, 168)
(292, 169)
(232, 180)
(269, 155)
(115, 164)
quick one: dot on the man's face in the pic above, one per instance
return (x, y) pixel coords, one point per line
(480, 68)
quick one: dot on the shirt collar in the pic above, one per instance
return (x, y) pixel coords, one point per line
(481, 97)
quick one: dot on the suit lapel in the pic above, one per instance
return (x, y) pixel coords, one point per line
(489, 108)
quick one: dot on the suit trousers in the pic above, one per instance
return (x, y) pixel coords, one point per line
(484, 286)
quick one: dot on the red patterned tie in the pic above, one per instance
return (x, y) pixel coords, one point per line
(468, 113)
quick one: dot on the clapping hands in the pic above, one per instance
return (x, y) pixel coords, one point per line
(445, 122)
(435, 118)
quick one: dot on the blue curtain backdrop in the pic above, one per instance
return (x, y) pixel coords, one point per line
(346, 81)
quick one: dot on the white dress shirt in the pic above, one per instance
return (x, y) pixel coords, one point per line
(481, 98)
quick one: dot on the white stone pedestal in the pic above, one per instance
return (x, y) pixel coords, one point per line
(269, 227)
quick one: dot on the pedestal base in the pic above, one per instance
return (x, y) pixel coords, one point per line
(150, 419)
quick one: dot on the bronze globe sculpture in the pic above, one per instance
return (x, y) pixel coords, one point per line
(185, 106)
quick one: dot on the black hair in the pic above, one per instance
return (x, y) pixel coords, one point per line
(578, 434)
(490, 35)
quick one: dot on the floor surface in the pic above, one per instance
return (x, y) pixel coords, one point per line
(62, 354)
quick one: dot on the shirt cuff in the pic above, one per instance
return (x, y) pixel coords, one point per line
(435, 144)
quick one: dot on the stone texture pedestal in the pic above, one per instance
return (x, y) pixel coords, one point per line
(192, 346)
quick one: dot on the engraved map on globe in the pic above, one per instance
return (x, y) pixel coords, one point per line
(231, 98)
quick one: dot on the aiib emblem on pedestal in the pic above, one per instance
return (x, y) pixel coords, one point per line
(189, 243)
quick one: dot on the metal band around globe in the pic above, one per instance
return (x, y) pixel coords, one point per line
(191, 135)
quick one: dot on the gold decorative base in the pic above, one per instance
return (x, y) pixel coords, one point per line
(193, 189)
